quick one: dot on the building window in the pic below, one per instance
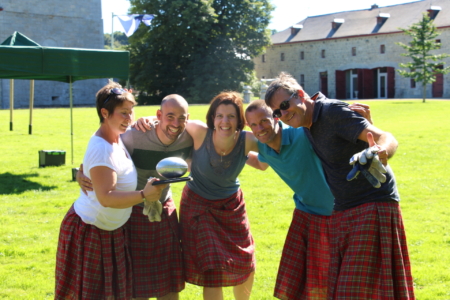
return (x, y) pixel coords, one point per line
(382, 49)
(353, 51)
(302, 80)
(323, 53)
(263, 58)
(438, 44)
(413, 83)
(302, 55)
(282, 57)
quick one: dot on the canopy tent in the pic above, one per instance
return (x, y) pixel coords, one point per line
(22, 58)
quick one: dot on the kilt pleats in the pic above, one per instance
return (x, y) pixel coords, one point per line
(304, 264)
(218, 247)
(156, 253)
(92, 263)
(369, 254)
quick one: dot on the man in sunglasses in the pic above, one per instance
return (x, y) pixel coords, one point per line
(155, 245)
(369, 255)
(302, 273)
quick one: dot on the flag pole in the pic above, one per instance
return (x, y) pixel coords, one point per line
(112, 31)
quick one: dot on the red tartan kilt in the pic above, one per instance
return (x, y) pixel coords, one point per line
(92, 263)
(369, 254)
(156, 253)
(218, 247)
(304, 265)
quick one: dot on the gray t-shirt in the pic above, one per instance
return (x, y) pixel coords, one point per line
(334, 136)
(147, 150)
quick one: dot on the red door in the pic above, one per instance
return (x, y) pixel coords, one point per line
(340, 84)
(438, 86)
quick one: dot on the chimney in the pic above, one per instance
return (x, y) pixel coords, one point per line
(433, 11)
(337, 23)
(296, 28)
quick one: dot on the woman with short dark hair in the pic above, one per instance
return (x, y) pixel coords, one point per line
(93, 259)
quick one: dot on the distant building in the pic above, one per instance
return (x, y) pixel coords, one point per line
(352, 54)
(53, 23)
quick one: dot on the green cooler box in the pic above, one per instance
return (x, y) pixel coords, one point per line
(52, 158)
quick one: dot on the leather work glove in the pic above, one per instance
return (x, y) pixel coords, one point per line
(153, 209)
(364, 155)
(372, 169)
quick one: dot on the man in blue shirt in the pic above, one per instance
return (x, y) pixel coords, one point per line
(305, 259)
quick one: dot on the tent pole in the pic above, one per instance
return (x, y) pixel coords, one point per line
(71, 116)
(30, 127)
(11, 103)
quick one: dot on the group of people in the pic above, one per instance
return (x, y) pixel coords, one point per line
(346, 239)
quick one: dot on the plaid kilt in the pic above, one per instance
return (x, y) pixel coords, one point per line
(218, 247)
(369, 254)
(304, 265)
(92, 263)
(156, 253)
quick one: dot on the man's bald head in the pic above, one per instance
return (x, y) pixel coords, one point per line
(172, 118)
(175, 100)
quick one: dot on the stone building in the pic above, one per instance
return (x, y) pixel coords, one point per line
(53, 23)
(353, 54)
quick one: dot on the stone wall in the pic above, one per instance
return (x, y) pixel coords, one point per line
(338, 56)
(53, 23)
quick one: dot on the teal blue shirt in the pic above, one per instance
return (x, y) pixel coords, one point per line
(301, 169)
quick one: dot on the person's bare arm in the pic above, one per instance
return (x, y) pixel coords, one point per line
(254, 162)
(197, 130)
(104, 182)
(145, 123)
(363, 110)
(385, 141)
(83, 181)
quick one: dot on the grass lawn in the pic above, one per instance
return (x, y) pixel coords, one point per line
(34, 200)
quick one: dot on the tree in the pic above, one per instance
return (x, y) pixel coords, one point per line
(424, 65)
(197, 48)
(120, 40)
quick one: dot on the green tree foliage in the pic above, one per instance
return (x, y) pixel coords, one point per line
(424, 64)
(197, 48)
(120, 40)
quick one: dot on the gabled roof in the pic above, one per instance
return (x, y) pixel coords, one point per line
(364, 22)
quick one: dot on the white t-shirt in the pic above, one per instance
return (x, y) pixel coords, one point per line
(101, 153)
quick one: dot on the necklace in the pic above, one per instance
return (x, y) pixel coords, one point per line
(220, 151)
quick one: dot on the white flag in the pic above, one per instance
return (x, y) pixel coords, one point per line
(131, 23)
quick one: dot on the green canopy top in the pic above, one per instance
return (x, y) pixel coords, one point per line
(18, 39)
(22, 58)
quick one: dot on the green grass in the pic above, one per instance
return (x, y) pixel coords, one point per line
(34, 200)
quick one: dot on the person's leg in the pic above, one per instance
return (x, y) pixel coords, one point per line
(243, 291)
(212, 293)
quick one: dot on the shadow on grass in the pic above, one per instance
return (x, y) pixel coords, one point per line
(17, 184)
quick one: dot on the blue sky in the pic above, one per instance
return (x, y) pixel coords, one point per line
(286, 13)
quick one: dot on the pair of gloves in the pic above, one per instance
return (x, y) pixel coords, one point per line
(153, 210)
(367, 163)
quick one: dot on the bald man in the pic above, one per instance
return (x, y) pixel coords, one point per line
(155, 246)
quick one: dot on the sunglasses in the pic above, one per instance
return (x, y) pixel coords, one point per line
(114, 91)
(283, 106)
